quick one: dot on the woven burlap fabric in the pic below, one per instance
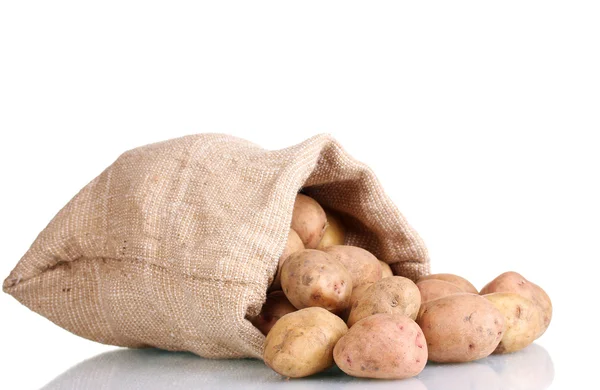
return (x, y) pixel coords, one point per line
(176, 243)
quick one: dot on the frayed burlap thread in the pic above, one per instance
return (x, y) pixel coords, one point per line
(175, 244)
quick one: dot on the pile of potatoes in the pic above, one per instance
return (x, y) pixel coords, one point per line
(331, 302)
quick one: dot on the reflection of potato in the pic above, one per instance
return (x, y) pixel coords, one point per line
(386, 271)
(462, 376)
(522, 317)
(461, 282)
(276, 306)
(294, 244)
(301, 343)
(314, 278)
(460, 327)
(513, 282)
(389, 346)
(395, 294)
(335, 232)
(308, 220)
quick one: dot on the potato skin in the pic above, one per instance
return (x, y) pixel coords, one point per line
(357, 293)
(516, 283)
(460, 327)
(434, 288)
(387, 346)
(301, 343)
(386, 271)
(395, 294)
(459, 281)
(335, 232)
(313, 278)
(294, 244)
(275, 307)
(309, 220)
(362, 265)
(523, 321)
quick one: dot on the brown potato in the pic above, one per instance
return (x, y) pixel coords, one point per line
(335, 232)
(433, 289)
(362, 265)
(276, 306)
(301, 343)
(522, 317)
(461, 282)
(513, 282)
(395, 294)
(386, 270)
(294, 244)
(460, 327)
(389, 346)
(308, 220)
(357, 293)
(314, 278)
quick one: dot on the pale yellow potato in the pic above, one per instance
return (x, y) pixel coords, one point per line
(357, 293)
(386, 346)
(314, 278)
(309, 221)
(276, 306)
(433, 289)
(460, 327)
(301, 343)
(516, 283)
(335, 232)
(392, 295)
(522, 317)
(362, 265)
(461, 282)
(294, 244)
(386, 270)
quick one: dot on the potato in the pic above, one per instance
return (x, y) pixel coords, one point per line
(513, 282)
(460, 327)
(362, 265)
(386, 271)
(395, 294)
(357, 293)
(294, 244)
(301, 343)
(335, 232)
(314, 278)
(276, 306)
(389, 346)
(309, 221)
(433, 289)
(461, 282)
(522, 317)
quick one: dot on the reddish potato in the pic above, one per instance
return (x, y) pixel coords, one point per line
(294, 244)
(389, 346)
(433, 289)
(335, 232)
(309, 221)
(362, 265)
(314, 278)
(276, 306)
(461, 282)
(513, 282)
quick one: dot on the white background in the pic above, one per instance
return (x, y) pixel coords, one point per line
(480, 119)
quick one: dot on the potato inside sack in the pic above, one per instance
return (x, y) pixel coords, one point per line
(387, 346)
(335, 231)
(362, 265)
(301, 343)
(294, 244)
(309, 220)
(314, 278)
(393, 295)
(276, 306)
(386, 270)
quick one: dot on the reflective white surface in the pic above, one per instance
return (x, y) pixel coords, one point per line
(530, 369)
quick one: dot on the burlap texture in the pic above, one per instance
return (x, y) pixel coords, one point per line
(175, 244)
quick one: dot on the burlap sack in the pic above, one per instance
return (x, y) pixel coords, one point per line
(175, 244)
